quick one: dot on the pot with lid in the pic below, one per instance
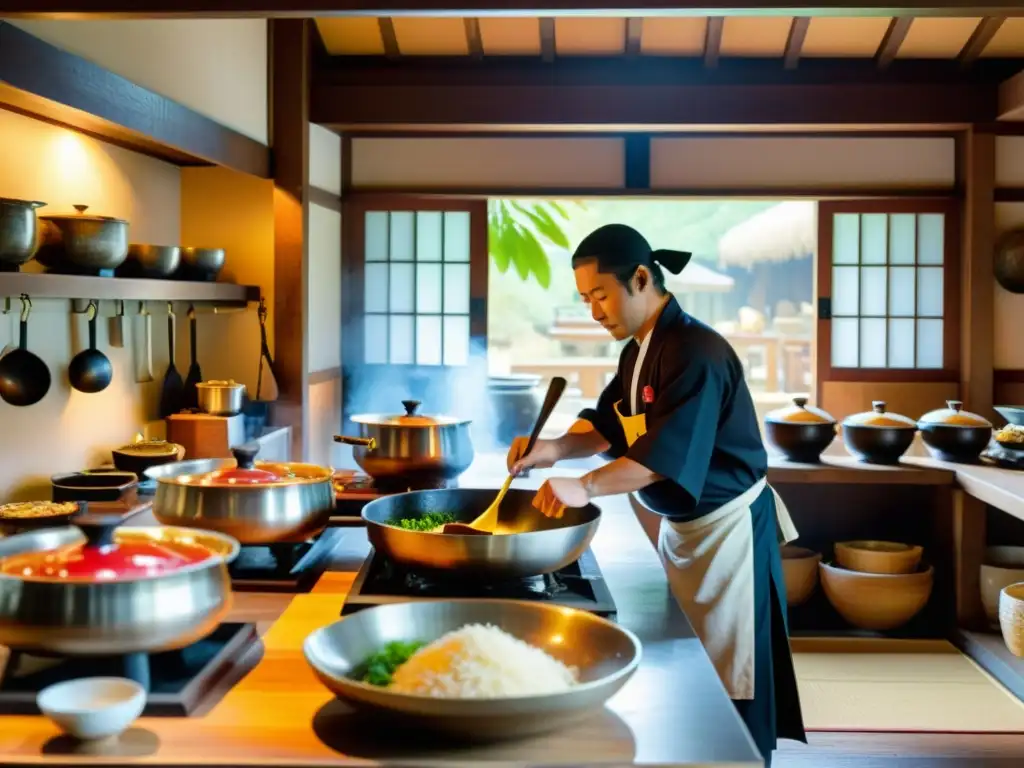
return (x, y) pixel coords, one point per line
(411, 448)
(83, 245)
(96, 589)
(255, 502)
(953, 434)
(877, 436)
(800, 432)
(19, 232)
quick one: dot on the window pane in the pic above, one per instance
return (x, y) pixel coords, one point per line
(929, 343)
(930, 238)
(401, 247)
(844, 342)
(402, 286)
(375, 290)
(902, 238)
(929, 291)
(872, 291)
(456, 236)
(456, 340)
(428, 236)
(375, 339)
(845, 238)
(845, 291)
(401, 339)
(456, 288)
(873, 237)
(901, 343)
(428, 288)
(872, 343)
(428, 340)
(901, 291)
(375, 235)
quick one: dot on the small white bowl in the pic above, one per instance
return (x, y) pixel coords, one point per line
(93, 707)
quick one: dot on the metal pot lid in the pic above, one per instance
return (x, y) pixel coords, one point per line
(80, 216)
(102, 558)
(954, 415)
(21, 203)
(879, 417)
(408, 419)
(799, 413)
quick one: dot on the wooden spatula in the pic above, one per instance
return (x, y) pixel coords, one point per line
(488, 520)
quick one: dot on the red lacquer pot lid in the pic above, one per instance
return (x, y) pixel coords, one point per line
(245, 473)
(101, 558)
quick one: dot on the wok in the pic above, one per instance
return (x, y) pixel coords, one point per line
(526, 543)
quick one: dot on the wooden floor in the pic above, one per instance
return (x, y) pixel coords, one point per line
(902, 750)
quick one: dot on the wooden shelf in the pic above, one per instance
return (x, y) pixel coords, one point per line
(45, 82)
(1000, 488)
(46, 286)
(846, 469)
(991, 653)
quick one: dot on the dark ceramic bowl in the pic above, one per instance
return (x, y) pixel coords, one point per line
(949, 442)
(798, 442)
(877, 445)
(92, 486)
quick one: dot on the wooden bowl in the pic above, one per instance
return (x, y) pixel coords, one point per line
(800, 567)
(1003, 566)
(878, 556)
(1011, 618)
(877, 601)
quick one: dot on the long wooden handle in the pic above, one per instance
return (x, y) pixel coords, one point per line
(555, 390)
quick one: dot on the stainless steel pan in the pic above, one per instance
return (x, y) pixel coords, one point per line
(526, 543)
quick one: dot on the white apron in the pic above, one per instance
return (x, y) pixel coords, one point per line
(710, 567)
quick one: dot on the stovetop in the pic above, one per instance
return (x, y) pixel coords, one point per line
(579, 585)
(178, 683)
(283, 567)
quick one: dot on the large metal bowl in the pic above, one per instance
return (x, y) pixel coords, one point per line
(144, 615)
(605, 654)
(526, 543)
(292, 510)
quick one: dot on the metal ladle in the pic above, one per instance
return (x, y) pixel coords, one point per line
(90, 370)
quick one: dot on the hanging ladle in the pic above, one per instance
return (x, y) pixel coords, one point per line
(24, 377)
(90, 370)
(487, 521)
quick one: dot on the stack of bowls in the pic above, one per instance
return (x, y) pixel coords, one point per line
(1003, 566)
(877, 585)
(800, 569)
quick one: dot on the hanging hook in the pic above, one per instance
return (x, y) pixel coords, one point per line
(170, 308)
(191, 312)
(7, 305)
(262, 311)
(26, 307)
(91, 310)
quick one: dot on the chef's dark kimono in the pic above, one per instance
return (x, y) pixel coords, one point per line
(688, 416)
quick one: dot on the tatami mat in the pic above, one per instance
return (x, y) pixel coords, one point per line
(899, 686)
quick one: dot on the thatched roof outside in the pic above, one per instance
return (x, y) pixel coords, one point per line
(785, 231)
(697, 278)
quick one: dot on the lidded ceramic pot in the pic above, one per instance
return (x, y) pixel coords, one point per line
(953, 434)
(800, 432)
(878, 436)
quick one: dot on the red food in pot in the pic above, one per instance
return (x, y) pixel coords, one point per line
(240, 476)
(121, 560)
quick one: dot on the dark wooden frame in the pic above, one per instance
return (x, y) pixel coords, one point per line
(353, 264)
(950, 286)
(44, 82)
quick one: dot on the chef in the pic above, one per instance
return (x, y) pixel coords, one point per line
(679, 424)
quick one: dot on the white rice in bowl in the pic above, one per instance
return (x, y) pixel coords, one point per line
(480, 661)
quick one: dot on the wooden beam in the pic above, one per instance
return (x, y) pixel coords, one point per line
(795, 41)
(634, 35)
(891, 42)
(1011, 98)
(638, 162)
(47, 83)
(647, 93)
(713, 41)
(289, 41)
(474, 42)
(477, 8)
(387, 35)
(977, 173)
(547, 40)
(979, 39)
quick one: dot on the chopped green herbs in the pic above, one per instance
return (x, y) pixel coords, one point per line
(427, 522)
(382, 665)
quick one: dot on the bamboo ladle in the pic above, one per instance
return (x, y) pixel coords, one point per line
(487, 521)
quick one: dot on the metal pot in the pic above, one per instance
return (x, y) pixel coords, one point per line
(410, 447)
(878, 437)
(200, 263)
(953, 434)
(274, 502)
(800, 432)
(19, 232)
(526, 543)
(150, 261)
(80, 244)
(127, 614)
(220, 398)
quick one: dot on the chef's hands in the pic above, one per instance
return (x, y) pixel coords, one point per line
(558, 493)
(543, 455)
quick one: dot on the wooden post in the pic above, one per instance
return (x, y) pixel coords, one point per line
(969, 546)
(289, 55)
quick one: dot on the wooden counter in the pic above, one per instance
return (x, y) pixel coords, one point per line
(674, 710)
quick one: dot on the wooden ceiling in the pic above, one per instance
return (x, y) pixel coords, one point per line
(713, 38)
